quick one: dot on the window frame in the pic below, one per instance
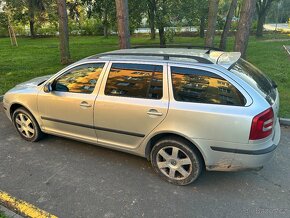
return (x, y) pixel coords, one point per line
(212, 70)
(164, 83)
(78, 64)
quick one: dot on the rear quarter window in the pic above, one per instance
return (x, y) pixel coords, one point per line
(256, 79)
(198, 86)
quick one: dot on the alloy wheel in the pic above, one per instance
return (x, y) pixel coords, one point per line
(24, 125)
(174, 163)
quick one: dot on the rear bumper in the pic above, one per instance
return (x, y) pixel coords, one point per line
(231, 157)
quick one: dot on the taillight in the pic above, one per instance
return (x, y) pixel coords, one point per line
(262, 125)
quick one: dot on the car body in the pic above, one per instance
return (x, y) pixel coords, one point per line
(214, 102)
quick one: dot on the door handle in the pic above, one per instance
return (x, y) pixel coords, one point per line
(85, 104)
(154, 112)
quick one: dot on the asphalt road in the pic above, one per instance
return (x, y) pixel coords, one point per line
(73, 179)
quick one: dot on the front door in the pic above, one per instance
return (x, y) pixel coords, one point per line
(132, 101)
(68, 109)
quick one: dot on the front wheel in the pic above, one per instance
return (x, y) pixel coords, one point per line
(176, 161)
(26, 125)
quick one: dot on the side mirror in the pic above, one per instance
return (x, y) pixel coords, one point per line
(47, 88)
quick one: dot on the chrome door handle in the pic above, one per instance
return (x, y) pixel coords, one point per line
(154, 112)
(85, 104)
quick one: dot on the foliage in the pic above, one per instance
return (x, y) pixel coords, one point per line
(169, 35)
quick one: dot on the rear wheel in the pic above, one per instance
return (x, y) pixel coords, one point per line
(176, 161)
(26, 125)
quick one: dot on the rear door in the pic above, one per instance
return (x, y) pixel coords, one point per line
(132, 101)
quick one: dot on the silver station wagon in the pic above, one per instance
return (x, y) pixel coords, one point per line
(184, 109)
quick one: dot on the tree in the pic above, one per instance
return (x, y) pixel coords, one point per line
(33, 6)
(227, 26)
(151, 5)
(212, 19)
(202, 7)
(123, 23)
(263, 7)
(63, 32)
(245, 22)
(161, 20)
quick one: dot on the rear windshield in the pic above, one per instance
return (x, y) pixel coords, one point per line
(255, 78)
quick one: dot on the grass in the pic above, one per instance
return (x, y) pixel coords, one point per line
(2, 215)
(37, 57)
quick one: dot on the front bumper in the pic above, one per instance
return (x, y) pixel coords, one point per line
(6, 108)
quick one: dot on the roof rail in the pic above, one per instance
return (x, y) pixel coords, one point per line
(188, 46)
(165, 56)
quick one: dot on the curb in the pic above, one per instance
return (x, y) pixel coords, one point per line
(22, 207)
(9, 213)
(284, 121)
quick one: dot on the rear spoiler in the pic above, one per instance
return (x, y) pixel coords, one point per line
(225, 59)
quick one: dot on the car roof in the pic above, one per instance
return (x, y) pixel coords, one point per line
(172, 55)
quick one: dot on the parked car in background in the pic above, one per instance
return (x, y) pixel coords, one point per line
(184, 109)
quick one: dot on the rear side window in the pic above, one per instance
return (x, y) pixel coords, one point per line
(192, 85)
(135, 80)
(255, 78)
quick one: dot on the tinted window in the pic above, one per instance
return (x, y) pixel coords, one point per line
(255, 78)
(192, 85)
(135, 80)
(81, 79)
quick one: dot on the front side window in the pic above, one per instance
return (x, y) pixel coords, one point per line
(80, 79)
(135, 80)
(199, 86)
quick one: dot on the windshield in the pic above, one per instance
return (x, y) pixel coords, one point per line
(255, 78)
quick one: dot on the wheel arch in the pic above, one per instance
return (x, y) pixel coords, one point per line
(15, 106)
(159, 136)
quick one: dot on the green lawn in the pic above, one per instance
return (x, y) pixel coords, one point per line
(36, 57)
(2, 215)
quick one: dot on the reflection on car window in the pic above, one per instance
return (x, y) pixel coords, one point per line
(192, 85)
(81, 79)
(135, 80)
(255, 78)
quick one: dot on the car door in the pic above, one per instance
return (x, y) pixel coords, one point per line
(132, 101)
(68, 108)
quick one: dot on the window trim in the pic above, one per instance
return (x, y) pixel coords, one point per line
(164, 84)
(249, 100)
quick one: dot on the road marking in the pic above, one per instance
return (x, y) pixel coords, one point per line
(23, 207)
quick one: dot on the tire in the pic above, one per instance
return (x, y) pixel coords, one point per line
(176, 161)
(26, 125)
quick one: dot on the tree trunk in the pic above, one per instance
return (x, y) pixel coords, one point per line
(63, 32)
(151, 16)
(123, 23)
(202, 26)
(260, 24)
(227, 26)
(31, 27)
(31, 18)
(162, 37)
(105, 24)
(245, 22)
(212, 18)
